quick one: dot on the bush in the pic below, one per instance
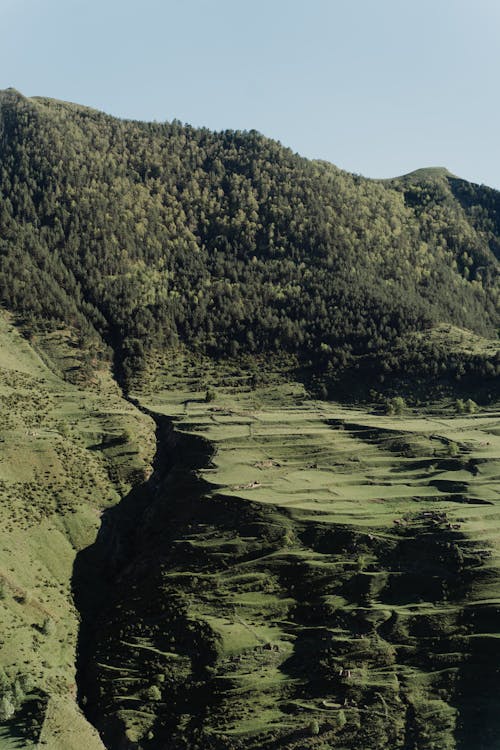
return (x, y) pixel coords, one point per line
(313, 728)
(395, 405)
(153, 693)
(470, 406)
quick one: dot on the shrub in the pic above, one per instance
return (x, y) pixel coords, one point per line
(313, 727)
(153, 693)
(470, 406)
(7, 707)
(395, 405)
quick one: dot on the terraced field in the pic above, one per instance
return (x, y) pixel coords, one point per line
(301, 574)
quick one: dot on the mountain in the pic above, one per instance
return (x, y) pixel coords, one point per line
(144, 236)
(249, 444)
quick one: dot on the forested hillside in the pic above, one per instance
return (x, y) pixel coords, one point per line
(200, 546)
(144, 235)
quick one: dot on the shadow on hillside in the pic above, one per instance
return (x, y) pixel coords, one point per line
(479, 683)
(96, 567)
(102, 569)
(170, 530)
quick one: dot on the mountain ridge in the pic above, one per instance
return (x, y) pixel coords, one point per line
(149, 235)
(438, 171)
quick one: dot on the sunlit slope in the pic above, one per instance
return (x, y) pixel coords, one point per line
(59, 469)
(336, 573)
(150, 235)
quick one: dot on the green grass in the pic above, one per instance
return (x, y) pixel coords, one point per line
(348, 501)
(426, 172)
(56, 478)
(317, 539)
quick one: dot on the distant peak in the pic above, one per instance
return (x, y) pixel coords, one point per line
(425, 172)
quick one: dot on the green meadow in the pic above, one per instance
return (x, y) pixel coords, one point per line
(294, 573)
(336, 569)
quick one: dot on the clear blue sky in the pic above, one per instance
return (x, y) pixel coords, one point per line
(379, 87)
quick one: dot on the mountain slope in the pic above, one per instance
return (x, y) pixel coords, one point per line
(144, 235)
(293, 572)
(64, 459)
(304, 575)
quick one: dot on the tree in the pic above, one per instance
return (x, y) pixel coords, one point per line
(7, 707)
(470, 406)
(153, 693)
(313, 727)
(49, 626)
(396, 405)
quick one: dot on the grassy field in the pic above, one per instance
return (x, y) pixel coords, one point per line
(324, 576)
(67, 453)
(294, 574)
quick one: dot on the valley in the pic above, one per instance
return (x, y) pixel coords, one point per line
(305, 575)
(290, 573)
(249, 444)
